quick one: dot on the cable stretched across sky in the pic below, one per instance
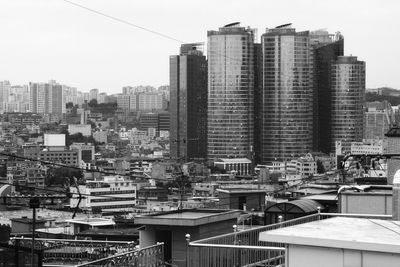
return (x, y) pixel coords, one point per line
(124, 21)
(116, 19)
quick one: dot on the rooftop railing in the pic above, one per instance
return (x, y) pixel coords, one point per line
(73, 252)
(152, 256)
(243, 248)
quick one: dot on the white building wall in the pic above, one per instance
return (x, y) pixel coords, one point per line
(301, 256)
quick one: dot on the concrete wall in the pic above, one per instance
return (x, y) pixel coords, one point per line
(366, 203)
(231, 201)
(300, 256)
(21, 227)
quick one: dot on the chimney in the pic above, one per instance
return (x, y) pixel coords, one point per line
(396, 197)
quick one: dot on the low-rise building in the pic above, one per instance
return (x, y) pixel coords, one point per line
(113, 193)
(368, 147)
(84, 129)
(241, 166)
(305, 166)
(100, 136)
(242, 198)
(171, 228)
(68, 157)
(85, 151)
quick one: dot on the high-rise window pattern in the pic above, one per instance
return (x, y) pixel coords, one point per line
(287, 94)
(348, 93)
(188, 103)
(230, 120)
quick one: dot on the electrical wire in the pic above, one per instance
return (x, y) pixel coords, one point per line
(139, 27)
(123, 21)
(384, 226)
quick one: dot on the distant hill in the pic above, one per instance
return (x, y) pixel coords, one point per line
(394, 100)
(384, 91)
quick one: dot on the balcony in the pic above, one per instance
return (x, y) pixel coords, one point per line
(243, 248)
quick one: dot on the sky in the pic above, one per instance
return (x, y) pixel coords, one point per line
(43, 40)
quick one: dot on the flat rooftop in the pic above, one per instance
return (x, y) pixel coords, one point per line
(341, 232)
(92, 221)
(241, 190)
(188, 217)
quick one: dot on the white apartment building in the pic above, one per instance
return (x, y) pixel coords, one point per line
(150, 101)
(304, 166)
(124, 102)
(368, 147)
(113, 193)
(93, 94)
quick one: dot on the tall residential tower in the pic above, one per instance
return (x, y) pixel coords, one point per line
(287, 94)
(325, 48)
(230, 92)
(188, 103)
(348, 94)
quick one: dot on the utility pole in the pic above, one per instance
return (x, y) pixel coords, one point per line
(34, 203)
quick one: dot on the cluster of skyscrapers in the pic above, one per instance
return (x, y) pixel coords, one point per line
(293, 93)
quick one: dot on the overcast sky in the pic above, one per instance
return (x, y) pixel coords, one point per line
(52, 39)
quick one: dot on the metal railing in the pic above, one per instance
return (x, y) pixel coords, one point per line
(72, 252)
(152, 256)
(243, 248)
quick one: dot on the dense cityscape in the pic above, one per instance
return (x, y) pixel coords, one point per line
(257, 153)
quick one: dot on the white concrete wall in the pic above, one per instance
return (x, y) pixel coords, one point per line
(365, 204)
(301, 256)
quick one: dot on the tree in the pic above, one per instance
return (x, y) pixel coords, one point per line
(62, 175)
(69, 105)
(320, 167)
(93, 103)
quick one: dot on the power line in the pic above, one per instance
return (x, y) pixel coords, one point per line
(384, 226)
(139, 27)
(123, 21)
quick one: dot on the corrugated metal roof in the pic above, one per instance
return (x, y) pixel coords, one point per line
(305, 205)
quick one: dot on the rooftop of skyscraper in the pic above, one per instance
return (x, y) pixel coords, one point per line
(232, 28)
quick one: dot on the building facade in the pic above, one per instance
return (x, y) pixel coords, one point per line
(325, 48)
(230, 120)
(378, 118)
(93, 94)
(287, 108)
(47, 98)
(188, 103)
(113, 193)
(348, 94)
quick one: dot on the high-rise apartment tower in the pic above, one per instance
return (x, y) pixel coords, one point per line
(348, 94)
(230, 120)
(287, 94)
(188, 103)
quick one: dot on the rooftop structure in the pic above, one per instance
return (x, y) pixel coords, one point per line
(171, 227)
(340, 241)
(187, 217)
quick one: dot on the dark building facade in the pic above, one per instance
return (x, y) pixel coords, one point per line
(164, 121)
(188, 103)
(325, 48)
(148, 120)
(348, 95)
(287, 94)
